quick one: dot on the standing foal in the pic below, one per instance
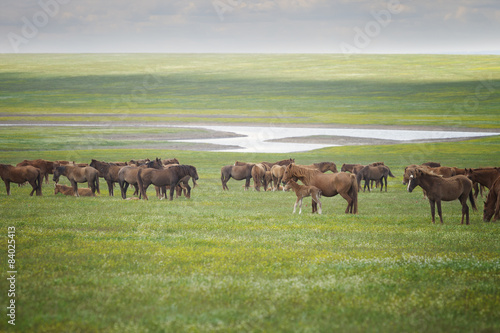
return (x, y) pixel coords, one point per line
(302, 191)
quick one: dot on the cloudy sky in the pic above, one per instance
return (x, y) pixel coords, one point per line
(303, 26)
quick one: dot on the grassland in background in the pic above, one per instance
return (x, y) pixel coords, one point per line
(384, 89)
(238, 261)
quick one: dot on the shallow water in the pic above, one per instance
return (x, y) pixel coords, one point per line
(256, 139)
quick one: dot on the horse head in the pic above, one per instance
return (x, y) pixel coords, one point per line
(58, 172)
(413, 179)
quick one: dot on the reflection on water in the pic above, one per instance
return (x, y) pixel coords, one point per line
(257, 139)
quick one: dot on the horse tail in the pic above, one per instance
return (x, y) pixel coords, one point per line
(96, 183)
(472, 200)
(39, 182)
(353, 193)
(390, 173)
(140, 183)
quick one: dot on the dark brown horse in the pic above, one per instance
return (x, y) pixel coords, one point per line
(20, 175)
(108, 171)
(352, 168)
(238, 173)
(76, 174)
(330, 185)
(377, 173)
(440, 189)
(128, 176)
(164, 177)
(484, 176)
(492, 203)
(46, 167)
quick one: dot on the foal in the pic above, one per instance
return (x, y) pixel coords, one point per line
(302, 191)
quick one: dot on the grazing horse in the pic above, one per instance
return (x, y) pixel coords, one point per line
(377, 173)
(352, 168)
(440, 189)
(492, 203)
(259, 176)
(46, 167)
(302, 191)
(330, 185)
(21, 174)
(238, 172)
(484, 176)
(68, 190)
(76, 174)
(109, 171)
(164, 177)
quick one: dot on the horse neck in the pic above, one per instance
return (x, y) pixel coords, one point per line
(425, 181)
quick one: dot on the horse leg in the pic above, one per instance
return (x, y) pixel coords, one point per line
(7, 186)
(350, 202)
(247, 183)
(34, 186)
(433, 210)
(295, 205)
(465, 210)
(110, 188)
(123, 188)
(314, 206)
(300, 205)
(440, 212)
(497, 209)
(74, 185)
(316, 200)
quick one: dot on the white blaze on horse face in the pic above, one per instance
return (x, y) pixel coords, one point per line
(409, 183)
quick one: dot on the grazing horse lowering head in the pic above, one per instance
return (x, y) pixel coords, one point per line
(58, 172)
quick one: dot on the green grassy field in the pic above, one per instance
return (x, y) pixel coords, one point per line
(235, 261)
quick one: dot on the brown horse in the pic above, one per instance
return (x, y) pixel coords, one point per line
(484, 176)
(76, 174)
(164, 177)
(236, 172)
(46, 167)
(281, 163)
(377, 173)
(303, 191)
(352, 168)
(492, 203)
(128, 176)
(259, 176)
(68, 190)
(277, 172)
(20, 175)
(440, 189)
(108, 171)
(323, 166)
(330, 185)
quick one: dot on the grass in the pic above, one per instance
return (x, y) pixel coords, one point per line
(234, 261)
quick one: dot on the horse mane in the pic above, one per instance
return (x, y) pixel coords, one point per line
(303, 172)
(428, 172)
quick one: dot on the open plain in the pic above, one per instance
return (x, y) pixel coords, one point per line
(240, 261)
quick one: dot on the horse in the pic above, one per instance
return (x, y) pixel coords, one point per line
(492, 203)
(164, 177)
(182, 186)
(377, 173)
(170, 161)
(259, 176)
(330, 185)
(68, 190)
(280, 163)
(352, 168)
(128, 176)
(21, 174)
(277, 172)
(238, 172)
(484, 176)
(323, 166)
(76, 174)
(108, 171)
(439, 188)
(302, 191)
(46, 167)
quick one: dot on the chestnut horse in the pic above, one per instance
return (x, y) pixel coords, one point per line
(76, 174)
(128, 176)
(164, 177)
(302, 191)
(492, 203)
(46, 167)
(440, 189)
(21, 174)
(238, 172)
(277, 172)
(329, 184)
(484, 176)
(109, 171)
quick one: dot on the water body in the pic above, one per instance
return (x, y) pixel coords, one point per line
(257, 139)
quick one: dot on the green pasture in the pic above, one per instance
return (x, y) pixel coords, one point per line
(236, 261)
(456, 91)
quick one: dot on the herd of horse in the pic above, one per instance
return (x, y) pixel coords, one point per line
(438, 183)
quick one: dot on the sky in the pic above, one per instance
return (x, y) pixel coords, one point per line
(250, 26)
